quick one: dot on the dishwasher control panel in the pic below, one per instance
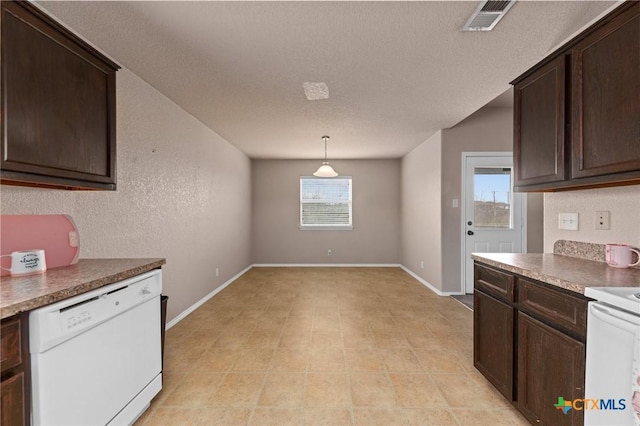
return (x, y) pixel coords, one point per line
(60, 321)
(78, 318)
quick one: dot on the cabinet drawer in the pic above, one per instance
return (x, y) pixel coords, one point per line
(496, 283)
(10, 345)
(568, 313)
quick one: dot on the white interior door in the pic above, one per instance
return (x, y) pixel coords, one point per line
(493, 215)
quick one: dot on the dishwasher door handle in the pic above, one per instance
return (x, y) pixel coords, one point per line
(606, 315)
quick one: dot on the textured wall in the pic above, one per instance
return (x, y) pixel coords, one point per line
(434, 170)
(183, 194)
(535, 225)
(623, 203)
(488, 129)
(376, 214)
(421, 220)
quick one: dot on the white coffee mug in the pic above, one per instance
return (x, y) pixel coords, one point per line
(621, 255)
(26, 262)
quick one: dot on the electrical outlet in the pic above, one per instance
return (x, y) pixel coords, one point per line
(568, 221)
(329, 252)
(603, 220)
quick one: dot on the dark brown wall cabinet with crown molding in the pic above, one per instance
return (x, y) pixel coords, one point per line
(58, 105)
(577, 113)
(15, 384)
(529, 342)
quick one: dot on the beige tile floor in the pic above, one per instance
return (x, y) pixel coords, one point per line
(326, 346)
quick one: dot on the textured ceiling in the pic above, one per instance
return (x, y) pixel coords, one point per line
(397, 72)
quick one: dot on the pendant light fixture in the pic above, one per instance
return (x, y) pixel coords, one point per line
(325, 170)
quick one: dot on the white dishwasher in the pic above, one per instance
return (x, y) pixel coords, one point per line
(612, 376)
(96, 357)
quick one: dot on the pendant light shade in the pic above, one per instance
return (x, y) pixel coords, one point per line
(325, 170)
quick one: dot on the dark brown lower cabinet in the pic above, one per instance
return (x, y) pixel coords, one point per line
(15, 401)
(12, 401)
(528, 341)
(493, 345)
(550, 366)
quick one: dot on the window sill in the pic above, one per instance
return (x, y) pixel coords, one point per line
(325, 228)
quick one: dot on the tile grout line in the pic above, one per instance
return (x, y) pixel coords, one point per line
(312, 282)
(346, 369)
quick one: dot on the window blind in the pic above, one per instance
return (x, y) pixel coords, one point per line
(325, 203)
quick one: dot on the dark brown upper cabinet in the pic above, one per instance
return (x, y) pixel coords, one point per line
(58, 105)
(539, 111)
(576, 114)
(605, 98)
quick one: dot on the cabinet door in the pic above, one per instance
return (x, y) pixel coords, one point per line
(58, 104)
(12, 393)
(539, 126)
(605, 97)
(550, 366)
(493, 341)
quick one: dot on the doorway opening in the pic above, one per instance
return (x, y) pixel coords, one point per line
(493, 216)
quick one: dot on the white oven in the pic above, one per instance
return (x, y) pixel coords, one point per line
(96, 357)
(613, 357)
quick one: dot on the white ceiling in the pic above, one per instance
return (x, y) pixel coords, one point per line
(397, 72)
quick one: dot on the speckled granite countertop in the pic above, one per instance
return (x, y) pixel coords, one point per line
(19, 294)
(566, 272)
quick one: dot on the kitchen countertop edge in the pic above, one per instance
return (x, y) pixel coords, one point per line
(21, 294)
(569, 273)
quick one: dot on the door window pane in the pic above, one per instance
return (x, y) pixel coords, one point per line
(492, 197)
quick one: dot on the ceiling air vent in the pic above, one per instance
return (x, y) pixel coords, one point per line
(487, 15)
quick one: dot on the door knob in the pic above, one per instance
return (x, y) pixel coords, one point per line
(469, 232)
(469, 223)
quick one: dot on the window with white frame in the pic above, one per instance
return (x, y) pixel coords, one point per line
(325, 203)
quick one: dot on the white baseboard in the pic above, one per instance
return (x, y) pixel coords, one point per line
(327, 265)
(200, 302)
(428, 284)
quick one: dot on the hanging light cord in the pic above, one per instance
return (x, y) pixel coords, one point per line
(325, 138)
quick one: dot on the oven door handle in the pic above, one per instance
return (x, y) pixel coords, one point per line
(604, 314)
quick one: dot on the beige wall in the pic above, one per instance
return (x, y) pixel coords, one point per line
(275, 214)
(183, 194)
(622, 202)
(489, 129)
(421, 221)
(535, 225)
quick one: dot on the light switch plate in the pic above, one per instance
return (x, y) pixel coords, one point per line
(568, 221)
